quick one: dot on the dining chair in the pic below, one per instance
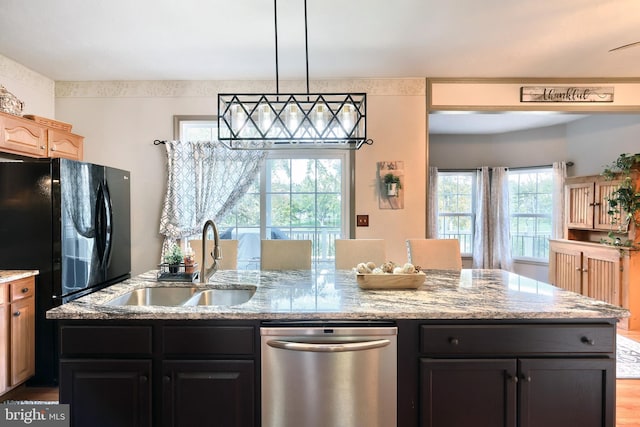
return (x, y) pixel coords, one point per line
(228, 250)
(351, 252)
(437, 254)
(277, 254)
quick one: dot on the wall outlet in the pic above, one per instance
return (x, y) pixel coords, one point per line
(362, 220)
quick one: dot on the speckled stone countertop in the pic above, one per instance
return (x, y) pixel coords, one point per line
(296, 295)
(11, 275)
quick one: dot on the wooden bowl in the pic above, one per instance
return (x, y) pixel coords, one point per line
(390, 281)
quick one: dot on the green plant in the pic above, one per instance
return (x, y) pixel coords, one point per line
(623, 204)
(392, 179)
(174, 255)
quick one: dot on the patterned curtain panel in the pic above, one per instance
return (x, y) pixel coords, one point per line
(205, 180)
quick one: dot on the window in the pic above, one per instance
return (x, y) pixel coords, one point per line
(530, 205)
(456, 208)
(300, 194)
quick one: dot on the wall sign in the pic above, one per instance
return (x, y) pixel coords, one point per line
(566, 94)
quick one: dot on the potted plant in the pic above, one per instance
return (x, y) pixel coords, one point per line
(173, 258)
(392, 182)
(623, 204)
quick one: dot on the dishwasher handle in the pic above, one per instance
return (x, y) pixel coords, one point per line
(328, 348)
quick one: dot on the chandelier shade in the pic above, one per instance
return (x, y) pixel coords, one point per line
(292, 120)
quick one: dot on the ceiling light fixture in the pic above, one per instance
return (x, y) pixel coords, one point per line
(292, 120)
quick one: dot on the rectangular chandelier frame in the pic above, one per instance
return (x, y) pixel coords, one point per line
(292, 120)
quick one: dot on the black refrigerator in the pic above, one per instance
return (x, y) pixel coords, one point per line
(71, 221)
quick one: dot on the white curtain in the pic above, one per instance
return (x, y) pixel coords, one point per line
(500, 233)
(481, 248)
(432, 203)
(205, 180)
(557, 215)
(491, 240)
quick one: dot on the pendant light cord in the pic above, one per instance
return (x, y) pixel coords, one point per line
(306, 43)
(275, 19)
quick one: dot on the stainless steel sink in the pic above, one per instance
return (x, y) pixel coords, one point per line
(185, 296)
(222, 297)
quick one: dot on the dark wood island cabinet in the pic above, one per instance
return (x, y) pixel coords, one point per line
(480, 348)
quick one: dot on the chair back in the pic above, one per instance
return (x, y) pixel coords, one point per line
(350, 252)
(437, 254)
(228, 250)
(280, 254)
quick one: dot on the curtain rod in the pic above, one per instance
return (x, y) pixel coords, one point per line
(158, 142)
(569, 164)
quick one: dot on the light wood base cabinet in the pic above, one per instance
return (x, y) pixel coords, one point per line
(17, 333)
(606, 273)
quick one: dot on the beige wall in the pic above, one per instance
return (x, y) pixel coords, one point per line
(35, 90)
(120, 120)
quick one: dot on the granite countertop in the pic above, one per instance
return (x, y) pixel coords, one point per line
(295, 295)
(11, 275)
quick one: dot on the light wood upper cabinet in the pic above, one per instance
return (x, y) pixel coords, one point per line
(25, 137)
(22, 136)
(586, 203)
(64, 144)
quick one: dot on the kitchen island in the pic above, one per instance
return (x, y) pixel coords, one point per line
(510, 350)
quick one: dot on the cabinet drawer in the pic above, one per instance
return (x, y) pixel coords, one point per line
(208, 340)
(22, 288)
(101, 340)
(516, 339)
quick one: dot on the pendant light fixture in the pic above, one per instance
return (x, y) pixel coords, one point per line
(292, 120)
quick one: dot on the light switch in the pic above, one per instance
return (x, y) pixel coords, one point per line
(362, 220)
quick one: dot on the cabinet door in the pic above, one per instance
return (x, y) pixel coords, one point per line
(107, 393)
(463, 393)
(22, 320)
(601, 274)
(19, 136)
(565, 267)
(579, 205)
(602, 220)
(196, 391)
(4, 348)
(64, 144)
(567, 392)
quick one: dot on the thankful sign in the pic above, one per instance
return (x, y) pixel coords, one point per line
(566, 94)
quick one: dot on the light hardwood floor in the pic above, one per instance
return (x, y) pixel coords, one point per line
(627, 394)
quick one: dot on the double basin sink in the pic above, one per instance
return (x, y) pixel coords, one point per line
(185, 296)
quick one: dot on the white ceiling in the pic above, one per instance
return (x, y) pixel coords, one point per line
(234, 39)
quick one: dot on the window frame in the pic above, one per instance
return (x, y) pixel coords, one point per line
(471, 215)
(512, 215)
(347, 157)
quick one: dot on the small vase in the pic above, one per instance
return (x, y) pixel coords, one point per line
(173, 268)
(392, 189)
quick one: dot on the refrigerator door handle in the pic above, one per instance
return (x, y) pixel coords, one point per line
(99, 224)
(108, 224)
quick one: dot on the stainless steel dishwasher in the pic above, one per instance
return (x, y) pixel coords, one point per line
(329, 376)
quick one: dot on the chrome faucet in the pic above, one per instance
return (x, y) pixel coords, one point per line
(206, 273)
